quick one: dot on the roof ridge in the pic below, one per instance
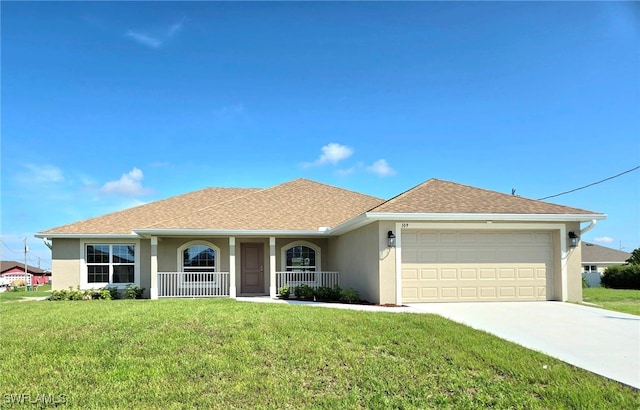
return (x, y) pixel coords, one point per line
(257, 191)
(252, 191)
(403, 193)
(336, 187)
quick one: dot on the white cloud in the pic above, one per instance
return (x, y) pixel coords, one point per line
(158, 40)
(176, 26)
(129, 184)
(41, 174)
(144, 39)
(603, 239)
(332, 154)
(381, 168)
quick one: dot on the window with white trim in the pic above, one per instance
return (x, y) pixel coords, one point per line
(200, 262)
(300, 258)
(110, 263)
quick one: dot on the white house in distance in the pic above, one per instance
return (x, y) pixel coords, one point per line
(437, 242)
(596, 258)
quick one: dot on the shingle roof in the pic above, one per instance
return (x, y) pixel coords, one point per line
(8, 265)
(123, 222)
(301, 204)
(437, 196)
(297, 205)
(592, 253)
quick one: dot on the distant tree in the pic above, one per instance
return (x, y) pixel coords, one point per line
(635, 257)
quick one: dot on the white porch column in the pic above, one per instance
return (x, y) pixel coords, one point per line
(153, 290)
(232, 266)
(273, 292)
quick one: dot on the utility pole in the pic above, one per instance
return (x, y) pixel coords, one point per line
(26, 272)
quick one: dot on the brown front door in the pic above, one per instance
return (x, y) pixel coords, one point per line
(252, 268)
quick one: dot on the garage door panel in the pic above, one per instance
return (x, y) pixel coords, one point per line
(470, 265)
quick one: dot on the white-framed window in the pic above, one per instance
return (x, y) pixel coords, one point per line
(300, 256)
(110, 263)
(590, 268)
(199, 261)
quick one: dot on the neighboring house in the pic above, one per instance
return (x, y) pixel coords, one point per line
(596, 258)
(452, 243)
(12, 270)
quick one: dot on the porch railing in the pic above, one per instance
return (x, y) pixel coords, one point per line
(193, 284)
(312, 279)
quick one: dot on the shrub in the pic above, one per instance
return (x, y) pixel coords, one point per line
(113, 292)
(621, 277)
(349, 295)
(323, 294)
(133, 292)
(304, 291)
(285, 292)
(77, 294)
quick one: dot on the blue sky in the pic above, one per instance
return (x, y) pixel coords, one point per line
(110, 105)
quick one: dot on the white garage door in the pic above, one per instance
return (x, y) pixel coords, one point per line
(443, 266)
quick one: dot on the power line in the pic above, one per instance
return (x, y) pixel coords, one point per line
(7, 246)
(592, 184)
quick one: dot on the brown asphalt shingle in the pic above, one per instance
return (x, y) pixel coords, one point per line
(123, 222)
(297, 205)
(592, 253)
(437, 196)
(302, 205)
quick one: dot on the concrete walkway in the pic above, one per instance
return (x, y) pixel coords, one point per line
(601, 341)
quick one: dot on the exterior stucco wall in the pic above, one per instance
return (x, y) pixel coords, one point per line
(356, 256)
(387, 258)
(65, 264)
(574, 267)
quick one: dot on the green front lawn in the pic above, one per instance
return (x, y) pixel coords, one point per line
(221, 353)
(621, 300)
(9, 295)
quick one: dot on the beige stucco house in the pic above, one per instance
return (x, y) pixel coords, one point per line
(437, 242)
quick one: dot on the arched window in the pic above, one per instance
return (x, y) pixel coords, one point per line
(200, 260)
(301, 257)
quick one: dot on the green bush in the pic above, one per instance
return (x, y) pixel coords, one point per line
(350, 295)
(77, 294)
(114, 293)
(133, 292)
(621, 277)
(323, 294)
(285, 292)
(304, 291)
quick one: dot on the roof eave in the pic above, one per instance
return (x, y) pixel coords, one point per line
(147, 233)
(44, 235)
(398, 216)
(369, 217)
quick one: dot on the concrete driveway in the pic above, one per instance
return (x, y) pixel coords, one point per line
(601, 341)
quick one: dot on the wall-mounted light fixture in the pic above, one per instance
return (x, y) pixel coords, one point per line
(391, 240)
(573, 239)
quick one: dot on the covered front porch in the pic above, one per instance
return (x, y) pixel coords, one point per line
(218, 284)
(235, 266)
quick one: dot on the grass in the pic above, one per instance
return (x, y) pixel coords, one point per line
(620, 300)
(226, 354)
(43, 291)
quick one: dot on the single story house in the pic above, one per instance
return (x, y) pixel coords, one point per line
(596, 258)
(12, 270)
(437, 242)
